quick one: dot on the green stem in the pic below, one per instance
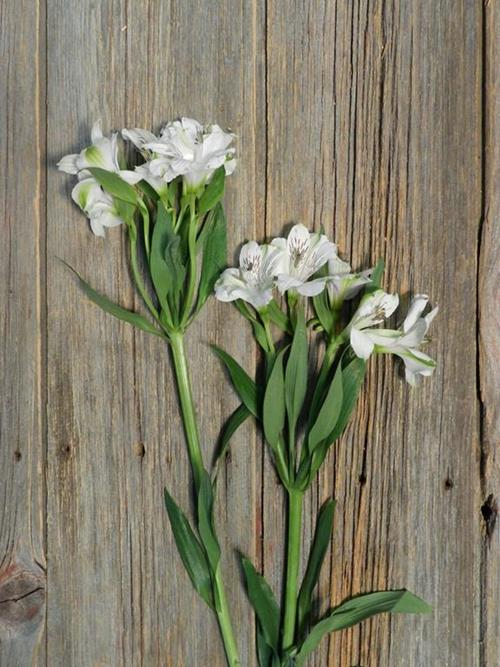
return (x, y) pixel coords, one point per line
(187, 407)
(196, 460)
(145, 221)
(137, 274)
(269, 335)
(224, 619)
(292, 566)
(192, 264)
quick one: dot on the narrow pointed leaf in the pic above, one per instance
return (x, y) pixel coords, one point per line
(206, 527)
(358, 609)
(238, 417)
(328, 413)
(243, 384)
(264, 603)
(114, 185)
(214, 255)
(265, 653)
(166, 262)
(278, 316)
(274, 403)
(323, 310)
(113, 309)
(213, 192)
(319, 547)
(148, 190)
(296, 372)
(353, 376)
(190, 550)
(376, 277)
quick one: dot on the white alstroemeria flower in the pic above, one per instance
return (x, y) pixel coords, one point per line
(97, 204)
(103, 153)
(342, 283)
(253, 281)
(188, 149)
(373, 309)
(403, 342)
(302, 254)
(140, 138)
(407, 340)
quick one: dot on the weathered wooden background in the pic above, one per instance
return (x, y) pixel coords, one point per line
(375, 118)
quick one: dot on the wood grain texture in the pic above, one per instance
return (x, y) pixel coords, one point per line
(115, 437)
(381, 143)
(22, 322)
(489, 343)
(378, 119)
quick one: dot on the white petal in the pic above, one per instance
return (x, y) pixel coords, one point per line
(230, 166)
(97, 227)
(430, 316)
(139, 137)
(337, 266)
(284, 282)
(414, 336)
(69, 164)
(361, 344)
(192, 126)
(353, 285)
(250, 253)
(96, 132)
(81, 192)
(312, 287)
(416, 309)
(298, 238)
(416, 363)
(109, 219)
(131, 177)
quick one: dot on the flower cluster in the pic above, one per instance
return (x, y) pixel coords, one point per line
(97, 204)
(307, 264)
(185, 149)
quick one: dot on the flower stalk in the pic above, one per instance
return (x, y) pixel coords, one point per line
(197, 467)
(292, 567)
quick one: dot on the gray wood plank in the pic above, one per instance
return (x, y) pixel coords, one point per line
(374, 112)
(489, 345)
(364, 117)
(115, 438)
(22, 320)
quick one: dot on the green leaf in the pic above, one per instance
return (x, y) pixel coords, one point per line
(323, 310)
(148, 190)
(206, 527)
(124, 210)
(264, 651)
(214, 255)
(167, 267)
(213, 192)
(264, 603)
(274, 403)
(113, 309)
(358, 609)
(266, 655)
(376, 277)
(353, 376)
(244, 385)
(190, 551)
(277, 316)
(296, 372)
(239, 416)
(319, 547)
(114, 185)
(328, 413)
